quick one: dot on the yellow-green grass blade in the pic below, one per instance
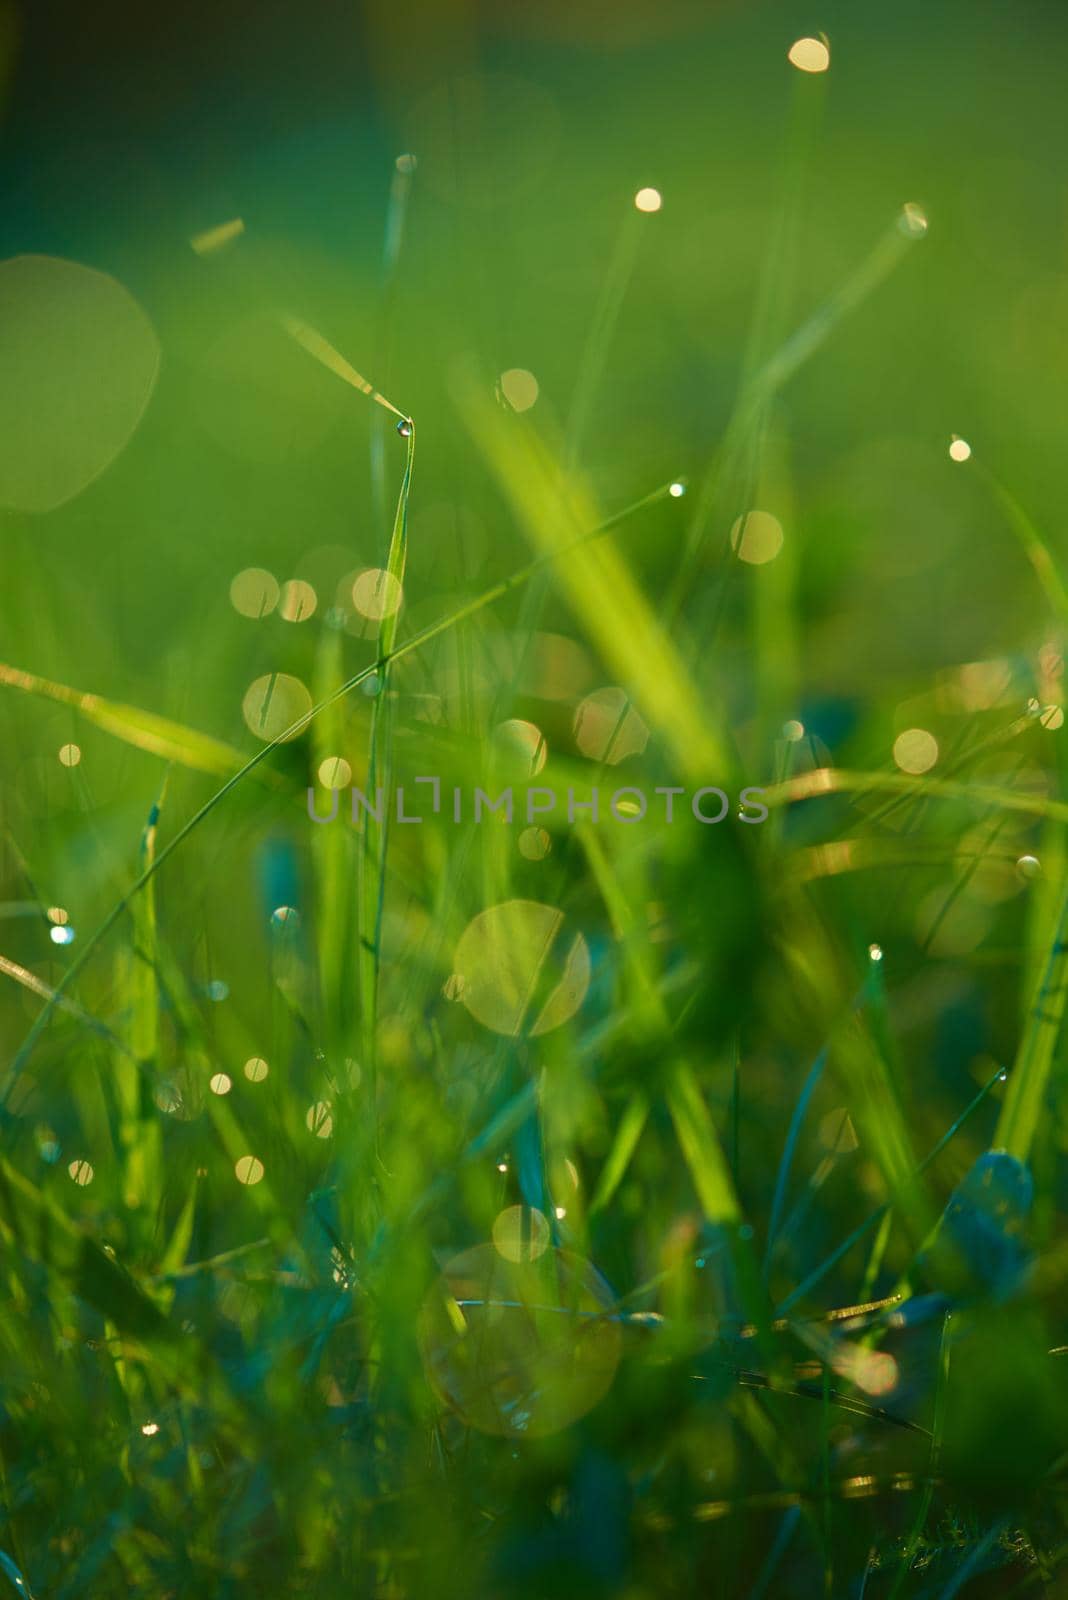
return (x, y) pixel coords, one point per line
(146, 730)
(551, 507)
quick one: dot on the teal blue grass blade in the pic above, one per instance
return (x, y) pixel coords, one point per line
(875, 1217)
(793, 1133)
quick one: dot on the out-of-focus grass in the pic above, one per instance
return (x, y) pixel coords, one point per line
(705, 1234)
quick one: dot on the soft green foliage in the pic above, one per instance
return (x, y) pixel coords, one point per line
(665, 1254)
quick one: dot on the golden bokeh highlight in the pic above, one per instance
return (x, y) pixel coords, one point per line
(69, 755)
(523, 972)
(648, 200)
(254, 592)
(377, 594)
(519, 387)
(298, 601)
(915, 750)
(256, 1069)
(273, 703)
(221, 1083)
(521, 1233)
(335, 773)
(81, 1173)
(523, 740)
(757, 538)
(319, 1119)
(534, 844)
(248, 1170)
(809, 55)
(520, 1349)
(78, 364)
(959, 449)
(607, 728)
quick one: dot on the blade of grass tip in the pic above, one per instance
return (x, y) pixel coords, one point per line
(400, 191)
(1029, 1079)
(433, 630)
(14, 1576)
(937, 1428)
(876, 1216)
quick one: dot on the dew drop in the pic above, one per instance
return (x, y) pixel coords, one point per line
(404, 427)
(809, 55)
(62, 935)
(875, 952)
(1029, 867)
(676, 490)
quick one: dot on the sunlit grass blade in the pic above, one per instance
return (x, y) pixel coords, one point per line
(160, 736)
(433, 630)
(1030, 1076)
(551, 508)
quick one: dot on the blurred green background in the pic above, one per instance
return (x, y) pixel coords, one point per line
(210, 1386)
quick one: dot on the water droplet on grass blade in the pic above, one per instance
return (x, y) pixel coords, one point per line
(1029, 868)
(809, 55)
(404, 428)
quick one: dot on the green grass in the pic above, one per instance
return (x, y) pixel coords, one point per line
(661, 1251)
